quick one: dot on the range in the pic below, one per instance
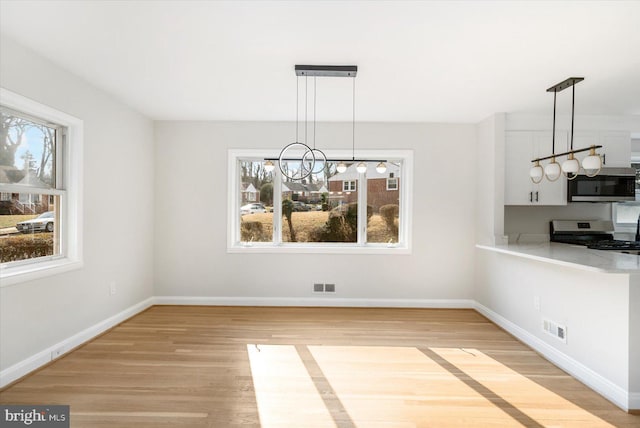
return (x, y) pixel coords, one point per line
(594, 234)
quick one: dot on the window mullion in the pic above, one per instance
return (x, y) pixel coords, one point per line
(362, 208)
(277, 206)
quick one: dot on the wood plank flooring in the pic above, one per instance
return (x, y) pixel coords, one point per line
(177, 366)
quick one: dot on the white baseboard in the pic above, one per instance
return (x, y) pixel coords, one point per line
(30, 364)
(316, 301)
(584, 374)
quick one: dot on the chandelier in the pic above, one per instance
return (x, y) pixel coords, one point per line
(304, 158)
(591, 165)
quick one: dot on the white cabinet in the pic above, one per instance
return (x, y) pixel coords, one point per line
(520, 148)
(616, 146)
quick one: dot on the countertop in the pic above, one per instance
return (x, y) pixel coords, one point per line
(576, 256)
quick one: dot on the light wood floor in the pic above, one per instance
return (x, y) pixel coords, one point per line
(312, 367)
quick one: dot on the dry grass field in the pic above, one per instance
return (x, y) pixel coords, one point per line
(305, 222)
(12, 220)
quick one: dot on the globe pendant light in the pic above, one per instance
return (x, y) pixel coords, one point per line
(552, 171)
(381, 168)
(361, 168)
(342, 167)
(536, 173)
(269, 166)
(570, 167)
(592, 164)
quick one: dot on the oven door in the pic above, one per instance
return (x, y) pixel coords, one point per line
(610, 186)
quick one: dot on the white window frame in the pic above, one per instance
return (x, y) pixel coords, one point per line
(234, 245)
(70, 230)
(349, 185)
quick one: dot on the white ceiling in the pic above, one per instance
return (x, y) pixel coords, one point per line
(418, 61)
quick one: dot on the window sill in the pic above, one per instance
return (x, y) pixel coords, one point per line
(317, 249)
(31, 271)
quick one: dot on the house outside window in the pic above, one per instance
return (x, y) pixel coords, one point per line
(40, 178)
(392, 183)
(327, 211)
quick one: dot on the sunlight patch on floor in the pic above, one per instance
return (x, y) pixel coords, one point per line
(381, 386)
(538, 402)
(285, 393)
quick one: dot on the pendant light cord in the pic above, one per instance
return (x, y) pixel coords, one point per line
(306, 85)
(353, 121)
(297, 105)
(573, 105)
(314, 112)
(553, 136)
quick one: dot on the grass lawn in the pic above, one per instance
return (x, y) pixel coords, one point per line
(304, 222)
(12, 220)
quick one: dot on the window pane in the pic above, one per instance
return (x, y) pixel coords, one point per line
(383, 195)
(256, 207)
(312, 212)
(29, 227)
(27, 152)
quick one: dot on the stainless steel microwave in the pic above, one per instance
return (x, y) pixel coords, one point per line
(610, 185)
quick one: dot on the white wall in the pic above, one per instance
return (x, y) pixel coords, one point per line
(191, 223)
(490, 180)
(594, 307)
(118, 213)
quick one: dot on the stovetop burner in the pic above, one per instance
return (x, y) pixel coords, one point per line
(594, 234)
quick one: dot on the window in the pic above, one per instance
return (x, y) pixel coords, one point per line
(392, 183)
(349, 186)
(625, 214)
(40, 167)
(325, 212)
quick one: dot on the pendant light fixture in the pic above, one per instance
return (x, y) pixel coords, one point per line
(308, 160)
(570, 167)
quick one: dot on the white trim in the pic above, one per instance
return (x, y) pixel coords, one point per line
(24, 367)
(71, 209)
(316, 302)
(584, 374)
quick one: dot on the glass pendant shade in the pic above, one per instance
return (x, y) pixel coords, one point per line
(552, 171)
(381, 168)
(342, 167)
(269, 166)
(361, 168)
(570, 167)
(592, 164)
(536, 173)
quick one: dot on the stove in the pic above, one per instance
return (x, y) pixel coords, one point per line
(594, 234)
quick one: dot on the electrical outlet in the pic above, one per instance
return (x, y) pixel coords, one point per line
(112, 288)
(318, 288)
(330, 288)
(57, 352)
(536, 303)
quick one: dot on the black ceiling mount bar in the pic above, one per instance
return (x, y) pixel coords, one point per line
(566, 153)
(327, 70)
(565, 84)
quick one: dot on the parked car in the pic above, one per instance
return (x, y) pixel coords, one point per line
(300, 206)
(252, 209)
(42, 223)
